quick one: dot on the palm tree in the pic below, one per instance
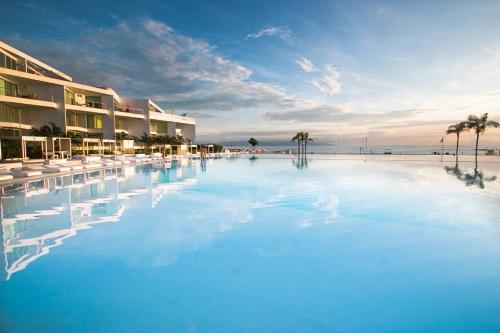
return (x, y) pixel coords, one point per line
(50, 130)
(298, 138)
(457, 129)
(305, 139)
(253, 142)
(479, 124)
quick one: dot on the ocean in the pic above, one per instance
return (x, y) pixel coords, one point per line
(377, 150)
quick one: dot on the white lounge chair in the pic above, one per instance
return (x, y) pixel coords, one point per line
(107, 162)
(6, 175)
(74, 167)
(22, 172)
(91, 165)
(45, 169)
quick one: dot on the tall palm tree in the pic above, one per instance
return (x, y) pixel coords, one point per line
(298, 138)
(479, 124)
(457, 129)
(253, 142)
(306, 139)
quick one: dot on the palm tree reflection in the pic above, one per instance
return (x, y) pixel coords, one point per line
(475, 178)
(300, 162)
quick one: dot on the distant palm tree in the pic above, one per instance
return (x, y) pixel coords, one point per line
(298, 138)
(253, 142)
(457, 129)
(479, 124)
(306, 139)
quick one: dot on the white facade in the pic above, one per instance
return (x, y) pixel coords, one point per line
(32, 94)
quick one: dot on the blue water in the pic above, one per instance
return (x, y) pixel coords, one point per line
(264, 245)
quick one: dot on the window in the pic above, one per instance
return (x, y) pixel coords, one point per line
(120, 123)
(7, 62)
(69, 97)
(94, 121)
(8, 88)
(93, 101)
(9, 114)
(75, 119)
(159, 127)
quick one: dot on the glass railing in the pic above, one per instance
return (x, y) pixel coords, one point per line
(95, 105)
(128, 109)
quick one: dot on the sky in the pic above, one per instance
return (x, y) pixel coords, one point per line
(398, 72)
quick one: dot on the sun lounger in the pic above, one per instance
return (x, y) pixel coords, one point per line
(46, 169)
(72, 166)
(91, 165)
(107, 162)
(156, 156)
(122, 159)
(21, 172)
(6, 175)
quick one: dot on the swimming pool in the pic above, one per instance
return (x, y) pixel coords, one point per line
(254, 245)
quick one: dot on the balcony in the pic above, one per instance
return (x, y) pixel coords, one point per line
(127, 111)
(20, 100)
(10, 117)
(172, 118)
(94, 107)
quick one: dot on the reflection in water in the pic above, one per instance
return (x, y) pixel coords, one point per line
(476, 177)
(46, 212)
(300, 162)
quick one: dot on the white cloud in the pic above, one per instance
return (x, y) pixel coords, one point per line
(157, 62)
(328, 84)
(306, 65)
(280, 32)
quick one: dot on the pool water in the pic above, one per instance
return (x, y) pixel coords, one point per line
(254, 245)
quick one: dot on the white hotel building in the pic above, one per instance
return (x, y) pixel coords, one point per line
(32, 94)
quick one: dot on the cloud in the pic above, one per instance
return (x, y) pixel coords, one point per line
(329, 113)
(306, 65)
(328, 84)
(280, 32)
(157, 62)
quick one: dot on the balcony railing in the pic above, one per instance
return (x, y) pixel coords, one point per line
(95, 105)
(8, 92)
(128, 109)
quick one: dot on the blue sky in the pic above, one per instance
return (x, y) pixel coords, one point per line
(397, 71)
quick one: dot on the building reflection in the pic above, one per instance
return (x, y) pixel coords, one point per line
(39, 215)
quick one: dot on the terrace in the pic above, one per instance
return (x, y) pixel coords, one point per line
(79, 102)
(127, 111)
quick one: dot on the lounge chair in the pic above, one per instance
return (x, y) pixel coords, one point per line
(156, 156)
(74, 167)
(91, 165)
(6, 175)
(25, 172)
(107, 162)
(47, 168)
(122, 159)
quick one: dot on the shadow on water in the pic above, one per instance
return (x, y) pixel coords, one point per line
(474, 178)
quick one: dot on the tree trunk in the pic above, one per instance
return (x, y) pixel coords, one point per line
(298, 147)
(456, 151)
(477, 143)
